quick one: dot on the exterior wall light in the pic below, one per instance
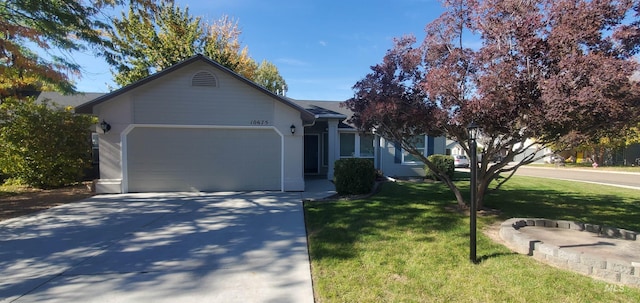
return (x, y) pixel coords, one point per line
(293, 129)
(106, 127)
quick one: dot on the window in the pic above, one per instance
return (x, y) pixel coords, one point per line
(355, 145)
(347, 145)
(366, 146)
(418, 142)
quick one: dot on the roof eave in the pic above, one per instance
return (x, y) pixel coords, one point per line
(331, 116)
(87, 108)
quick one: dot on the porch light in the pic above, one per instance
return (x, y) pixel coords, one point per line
(293, 129)
(106, 127)
(473, 130)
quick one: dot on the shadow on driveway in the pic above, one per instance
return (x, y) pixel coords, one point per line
(176, 247)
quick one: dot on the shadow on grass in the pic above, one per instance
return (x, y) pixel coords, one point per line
(334, 228)
(417, 209)
(494, 255)
(554, 202)
(461, 176)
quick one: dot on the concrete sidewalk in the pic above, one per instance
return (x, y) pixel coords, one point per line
(318, 189)
(174, 247)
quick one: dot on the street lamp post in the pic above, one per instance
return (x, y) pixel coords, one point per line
(473, 147)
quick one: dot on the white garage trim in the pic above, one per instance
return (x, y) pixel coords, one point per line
(125, 133)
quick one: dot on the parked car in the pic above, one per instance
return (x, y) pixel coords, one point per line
(460, 161)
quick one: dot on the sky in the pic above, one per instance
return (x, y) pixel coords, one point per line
(321, 48)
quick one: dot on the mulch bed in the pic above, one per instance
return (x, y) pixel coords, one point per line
(34, 200)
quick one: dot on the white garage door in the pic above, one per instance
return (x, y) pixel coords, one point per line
(203, 159)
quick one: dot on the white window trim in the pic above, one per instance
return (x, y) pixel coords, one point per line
(358, 144)
(424, 150)
(356, 152)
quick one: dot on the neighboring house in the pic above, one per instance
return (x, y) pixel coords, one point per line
(542, 154)
(454, 148)
(73, 100)
(198, 126)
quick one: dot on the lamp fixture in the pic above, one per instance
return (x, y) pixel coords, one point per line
(473, 130)
(106, 127)
(293, 129)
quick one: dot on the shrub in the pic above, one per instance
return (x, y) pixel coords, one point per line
(354, 176)
(43, 146)
(443, 163)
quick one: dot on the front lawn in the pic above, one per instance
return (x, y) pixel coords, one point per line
(402, 245)
(632, 169)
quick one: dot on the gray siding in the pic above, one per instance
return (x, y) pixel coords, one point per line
(390, 167)
(179, 137)
(176, 101)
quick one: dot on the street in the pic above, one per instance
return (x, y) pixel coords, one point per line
(614, 178)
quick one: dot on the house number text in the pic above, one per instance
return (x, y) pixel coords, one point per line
(259, 122)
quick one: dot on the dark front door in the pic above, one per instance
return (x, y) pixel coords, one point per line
(311, 154)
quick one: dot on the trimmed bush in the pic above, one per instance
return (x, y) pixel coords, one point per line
(444, 163)
(354, 176)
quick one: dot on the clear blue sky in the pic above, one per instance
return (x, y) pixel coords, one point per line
(322, 48)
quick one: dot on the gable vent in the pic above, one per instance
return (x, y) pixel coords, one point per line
(204, 79)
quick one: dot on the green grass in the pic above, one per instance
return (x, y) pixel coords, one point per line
(577, 201)
(632, 169)
(401, 245)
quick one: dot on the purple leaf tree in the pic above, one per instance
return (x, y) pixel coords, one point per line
(542, 72)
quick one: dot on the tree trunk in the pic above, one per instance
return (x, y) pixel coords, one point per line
(445, 178)
(456, 192)
(482, 188)
(484, 180)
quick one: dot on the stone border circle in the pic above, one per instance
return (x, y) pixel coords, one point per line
(615, 271)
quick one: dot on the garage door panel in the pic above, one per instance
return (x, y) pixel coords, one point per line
(185, 159)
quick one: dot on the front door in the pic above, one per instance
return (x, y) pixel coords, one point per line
(311, 154)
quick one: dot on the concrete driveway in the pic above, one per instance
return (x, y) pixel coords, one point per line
(176, 247)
